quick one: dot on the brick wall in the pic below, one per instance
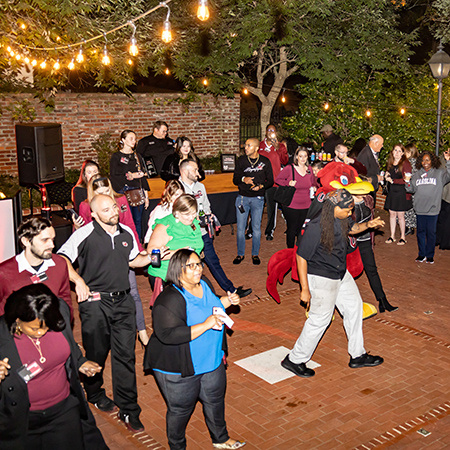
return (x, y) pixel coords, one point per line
(211, 123)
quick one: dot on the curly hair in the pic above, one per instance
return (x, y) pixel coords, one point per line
(327, 226)
(435, 163)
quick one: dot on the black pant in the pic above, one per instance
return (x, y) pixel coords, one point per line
(57, 427)
(271, 209)
(294, 221)
(370, 267)
(110, 324)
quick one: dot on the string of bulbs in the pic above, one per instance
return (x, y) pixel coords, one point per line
(133, 50)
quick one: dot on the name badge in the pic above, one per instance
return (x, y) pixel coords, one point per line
(124, 160)
(39, 278)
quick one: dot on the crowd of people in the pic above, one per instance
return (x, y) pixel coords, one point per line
(186, 351)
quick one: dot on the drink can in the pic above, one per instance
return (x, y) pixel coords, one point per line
(155, 258)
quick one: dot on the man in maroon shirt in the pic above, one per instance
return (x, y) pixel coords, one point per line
(36, 264)
(277, 153)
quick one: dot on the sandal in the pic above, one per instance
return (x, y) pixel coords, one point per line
(390, 241)
(401, 242)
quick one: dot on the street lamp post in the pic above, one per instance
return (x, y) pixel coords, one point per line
(440, 66)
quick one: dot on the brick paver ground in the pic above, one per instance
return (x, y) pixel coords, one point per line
(339, 408)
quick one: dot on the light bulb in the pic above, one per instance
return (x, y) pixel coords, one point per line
(106, 60)
(8, 49)
(130, 62)
(283, 99)
(245, 91)
(80, 56)
(203, 10)
(133, 49)
(12, 53)
(368, 113)
(23, 26)
(34, 63)
(43, 65)
(71, 65)
(205, 82)
(402, 111)
(57, 65)
(167, 32)
(27, 60)
(326, 107)
(18, 57)
(167, 71)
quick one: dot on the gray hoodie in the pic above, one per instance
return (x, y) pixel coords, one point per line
(427, 188)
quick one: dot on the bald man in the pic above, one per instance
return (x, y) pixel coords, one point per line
(253, 175)
(369, 157)
(105, 250)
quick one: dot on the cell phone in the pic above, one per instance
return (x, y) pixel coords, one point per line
(72, 213)
(241, 209)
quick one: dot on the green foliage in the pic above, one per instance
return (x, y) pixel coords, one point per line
(22, 111)
(416, 92)
(9, 185)
(212, 162)
(71, 175)
(104, 146)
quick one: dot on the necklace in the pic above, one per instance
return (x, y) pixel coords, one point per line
(253, 164)
(37, 344)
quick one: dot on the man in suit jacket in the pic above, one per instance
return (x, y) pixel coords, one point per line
(369, 157)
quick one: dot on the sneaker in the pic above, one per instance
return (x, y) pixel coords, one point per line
(421, 259)
(106, 405)
(248, 236)
(299, 369)
(365, 360)
(131, 422)
(430, 260)
(242, 292)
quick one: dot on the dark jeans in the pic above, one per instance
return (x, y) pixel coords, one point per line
(181, 396)
(212, 261)
(294, 221)
(426, 235)
(110, 324)
(271, 209)
(136, 212)
(370, 267)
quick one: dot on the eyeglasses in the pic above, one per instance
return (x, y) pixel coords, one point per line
(194, 266)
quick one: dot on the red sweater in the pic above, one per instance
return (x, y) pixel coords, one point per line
(57, 280)
(276, 156)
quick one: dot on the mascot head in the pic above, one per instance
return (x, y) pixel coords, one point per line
(337, 175)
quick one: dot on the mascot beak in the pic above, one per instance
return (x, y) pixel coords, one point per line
(358, 188)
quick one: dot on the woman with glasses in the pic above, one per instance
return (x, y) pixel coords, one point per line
(187, 348)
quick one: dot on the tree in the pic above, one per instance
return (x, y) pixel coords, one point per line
(256, 43)
(260, 44)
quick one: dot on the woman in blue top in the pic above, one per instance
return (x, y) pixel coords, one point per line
(186, 351)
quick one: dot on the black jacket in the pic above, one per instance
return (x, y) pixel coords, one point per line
(168, 348)
(171, 168)
(14, 402)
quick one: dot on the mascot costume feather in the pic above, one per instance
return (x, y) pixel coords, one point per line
(335, 175)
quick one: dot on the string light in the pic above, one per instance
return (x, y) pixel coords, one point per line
(106, 60)
(43, 64)
(57, 65)
(326, 106)
(245, 91)
(80, 56)
(167, 32)
(130, 61)
(205, 82)
(34, 63)
(203, 10)
(368, 113)
(71, 65)
(23, 26)
(133, 49)
(167, 71)
(27, 60)
(283, 98)
(18, 57)
(402, 111)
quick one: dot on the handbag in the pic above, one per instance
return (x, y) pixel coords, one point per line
(284, 194)
(135, 197)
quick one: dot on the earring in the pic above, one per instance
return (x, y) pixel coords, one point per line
(18, 329)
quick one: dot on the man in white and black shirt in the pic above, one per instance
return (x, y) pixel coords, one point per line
(253, 175)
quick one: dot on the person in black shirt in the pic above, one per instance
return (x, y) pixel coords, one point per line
(156, 148)
(253, 175)
(326, 284)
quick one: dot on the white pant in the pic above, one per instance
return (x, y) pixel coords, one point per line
(325, 295)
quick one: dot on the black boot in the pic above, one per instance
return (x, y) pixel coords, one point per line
(384, 305)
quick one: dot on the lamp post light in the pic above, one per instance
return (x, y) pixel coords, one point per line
(440, 66)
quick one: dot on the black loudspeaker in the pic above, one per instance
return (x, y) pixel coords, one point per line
(39, 153)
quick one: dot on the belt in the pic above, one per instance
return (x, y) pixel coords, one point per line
(115, 294)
